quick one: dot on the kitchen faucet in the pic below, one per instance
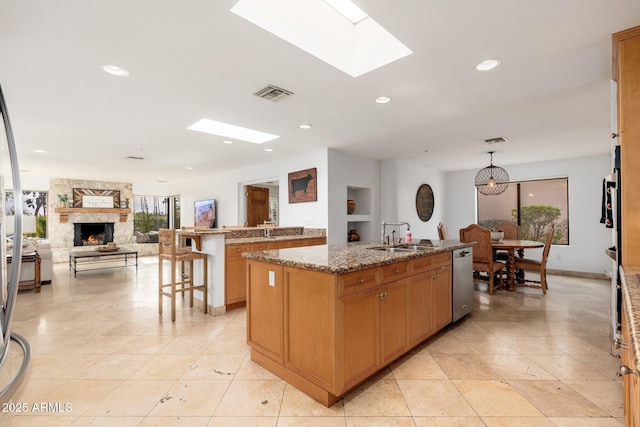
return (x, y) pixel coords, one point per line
(267, 231)
(385, 237)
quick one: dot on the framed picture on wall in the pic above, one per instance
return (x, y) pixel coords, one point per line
(303, 186)
(204, 212)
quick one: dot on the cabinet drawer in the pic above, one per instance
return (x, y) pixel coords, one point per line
(430, 262)
(395, 271)
(236, 250)
(357, 281)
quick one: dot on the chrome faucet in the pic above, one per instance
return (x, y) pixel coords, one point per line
(385, 237)
(267, 231)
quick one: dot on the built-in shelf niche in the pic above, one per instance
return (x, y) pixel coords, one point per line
(360, 219)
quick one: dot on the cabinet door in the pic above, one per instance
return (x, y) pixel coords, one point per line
(422, 323)
(265, 315)
(358, 337)
(393, 300)
(442, 308)
(234, 271)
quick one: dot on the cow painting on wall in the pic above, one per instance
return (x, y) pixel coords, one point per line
(303, 186)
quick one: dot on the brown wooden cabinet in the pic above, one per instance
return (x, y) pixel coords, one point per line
(235, 284)
(339, 329)
(631, 392)
(626, 69)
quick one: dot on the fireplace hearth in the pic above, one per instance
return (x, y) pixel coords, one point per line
(92, 233)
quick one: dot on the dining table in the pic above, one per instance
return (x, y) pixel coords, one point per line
(511, 246)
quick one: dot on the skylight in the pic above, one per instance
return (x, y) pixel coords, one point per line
(355, 45)
(231, 131)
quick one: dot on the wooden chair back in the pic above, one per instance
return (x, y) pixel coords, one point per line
(511, 230)
(547, 245)
(443, 233)
(482, 252)
(168, 246)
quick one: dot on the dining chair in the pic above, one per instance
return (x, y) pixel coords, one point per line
(528, 264)
(443, 233)
(483, 261)
(170, 249)
(511, 232)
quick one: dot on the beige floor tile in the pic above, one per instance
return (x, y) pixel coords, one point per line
(381, 398)
(214, 367)
(516, 367)
(566, 367)
(587, 422)
(378, 421)
(606, 364)
(518, 422)
(448, 422)
(115, 366)
(228, 344)
(132, 398)
(312, 421)
(529, 345)
(250, 370)
(556, 399)
(189, 398)
(40, 421)
(489, 345)
(297, 404)
(421, 366)
(109, 422)
(495, 398)
(165, 366)
(466, 367)
(447, 344)
(240, 421)
(252, 398)
(577, 345)
(175, 421)
(434, 398)
(605, 394)
(81, 395)
(504, 329)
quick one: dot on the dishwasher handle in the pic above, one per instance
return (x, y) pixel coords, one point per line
(462, 254)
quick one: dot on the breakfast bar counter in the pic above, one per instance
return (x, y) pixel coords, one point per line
(325, 318)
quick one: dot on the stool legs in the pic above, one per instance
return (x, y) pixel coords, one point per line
(182, 282)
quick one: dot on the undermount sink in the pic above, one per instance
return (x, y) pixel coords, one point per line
(402, 248)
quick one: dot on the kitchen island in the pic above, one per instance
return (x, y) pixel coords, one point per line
(325, 318)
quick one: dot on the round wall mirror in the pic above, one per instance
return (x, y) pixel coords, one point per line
(424, 202)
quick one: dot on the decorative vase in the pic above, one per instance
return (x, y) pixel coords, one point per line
(351, 206)
(353, 236)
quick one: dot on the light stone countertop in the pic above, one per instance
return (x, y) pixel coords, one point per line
(631, 300)
(346, 257)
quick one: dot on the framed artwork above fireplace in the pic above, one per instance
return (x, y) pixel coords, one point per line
(92, 198)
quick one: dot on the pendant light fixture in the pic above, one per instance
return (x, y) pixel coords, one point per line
(492, 179)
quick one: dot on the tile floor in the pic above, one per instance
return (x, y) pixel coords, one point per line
(98, 345)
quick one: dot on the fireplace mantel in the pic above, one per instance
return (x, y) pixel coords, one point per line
(64, 212)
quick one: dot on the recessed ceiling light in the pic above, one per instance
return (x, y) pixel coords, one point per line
(226, 141)
(231, 131)
(383, 100)
(115, 70)
(268, 149)
(39, 151)
(305, 126)
(189, 168)
(488, 64)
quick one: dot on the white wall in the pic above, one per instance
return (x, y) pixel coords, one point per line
(347, 170)
(587, 237)
(226, 189)
(400, 182)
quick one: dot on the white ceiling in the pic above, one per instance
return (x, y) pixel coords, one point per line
(194, 58)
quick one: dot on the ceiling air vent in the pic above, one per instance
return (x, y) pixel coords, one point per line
(273, 93)
(497, 140)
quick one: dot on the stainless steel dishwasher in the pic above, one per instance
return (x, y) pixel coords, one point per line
(462, 297)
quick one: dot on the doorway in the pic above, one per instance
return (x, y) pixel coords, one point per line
(254, 197)
(257, 205)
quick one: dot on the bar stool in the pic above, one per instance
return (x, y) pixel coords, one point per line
(169, 250)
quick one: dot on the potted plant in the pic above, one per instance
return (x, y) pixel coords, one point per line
(62, 199)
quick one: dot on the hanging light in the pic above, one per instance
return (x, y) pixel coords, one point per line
(492, 179)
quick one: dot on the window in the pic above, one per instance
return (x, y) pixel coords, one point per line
(34, 208)
(150, 214)
(533, 205)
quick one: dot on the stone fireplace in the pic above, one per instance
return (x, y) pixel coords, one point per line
(92, 233)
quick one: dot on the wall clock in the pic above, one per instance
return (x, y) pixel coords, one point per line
(424, 202)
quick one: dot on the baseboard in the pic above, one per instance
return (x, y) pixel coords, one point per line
(582, 274)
